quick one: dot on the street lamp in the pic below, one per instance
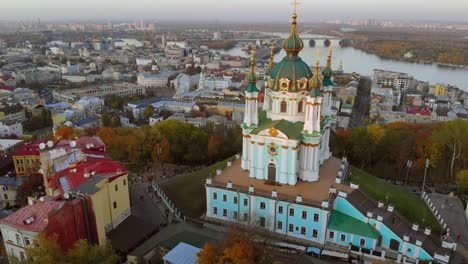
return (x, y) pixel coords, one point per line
(409, 164)
(424, 179)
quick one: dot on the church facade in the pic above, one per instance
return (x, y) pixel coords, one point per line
(287, 182)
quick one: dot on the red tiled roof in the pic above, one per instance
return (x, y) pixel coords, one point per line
(423, 112)
(39, 211)
(29, 149)
(93, 143)
(102, 165)
(6, 78)
(7, 87)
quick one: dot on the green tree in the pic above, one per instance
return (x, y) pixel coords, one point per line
(462, 181)
(149, 111)
(361, 147)
(449, 140)
(106, 120)
(116, 121)
(45, 250)
(83, 252)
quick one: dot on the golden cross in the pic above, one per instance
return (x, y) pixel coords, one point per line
(253, 51)
(317, 54)
(295, 4)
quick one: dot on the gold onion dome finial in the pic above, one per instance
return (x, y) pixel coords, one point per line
(327, 71)
(293, 44)
(316, 81)
(271, 64)
(252, 76)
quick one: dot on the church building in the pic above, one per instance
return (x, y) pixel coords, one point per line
(287, 182)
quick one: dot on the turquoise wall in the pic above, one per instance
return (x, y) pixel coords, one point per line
(353, 239)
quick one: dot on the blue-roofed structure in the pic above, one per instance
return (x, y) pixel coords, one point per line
(92, 121)
(15, 182)
(182, 254)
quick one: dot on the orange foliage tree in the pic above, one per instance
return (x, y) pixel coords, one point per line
(65, 133)
(239, 247)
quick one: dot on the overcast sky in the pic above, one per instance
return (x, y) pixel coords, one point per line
(234, 10)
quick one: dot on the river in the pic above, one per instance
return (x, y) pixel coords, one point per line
(355, 60)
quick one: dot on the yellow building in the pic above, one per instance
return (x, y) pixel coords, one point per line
(111, 204)
(26, 159)
(439, 90)
(103, 184)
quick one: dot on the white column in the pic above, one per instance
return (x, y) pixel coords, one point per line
(255, 112)
(293, 170)
(272, 217)
(208, 202)
(251, 159)
(245, 157)
(284, 167)
(252, 204)
(260, 164)
(314, 115)
(316, 159)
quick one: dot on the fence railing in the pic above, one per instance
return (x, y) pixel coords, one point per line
(169, 204)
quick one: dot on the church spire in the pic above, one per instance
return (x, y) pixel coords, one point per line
(327, 71)
(316, 81)
(252, 76)
(271, 64)
(293, 44)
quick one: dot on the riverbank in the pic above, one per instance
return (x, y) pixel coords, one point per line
(219, 45)
(415, 52)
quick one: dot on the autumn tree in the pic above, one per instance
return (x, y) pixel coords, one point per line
(239, 247)
(65, 133)
(107, 135)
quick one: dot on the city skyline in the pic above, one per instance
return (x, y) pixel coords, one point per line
(261, 10)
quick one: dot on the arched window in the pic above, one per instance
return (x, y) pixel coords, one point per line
(284, 107)
(300, 107)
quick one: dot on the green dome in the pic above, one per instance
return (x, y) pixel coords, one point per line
(252, 77)
(316, 82)
(292, 68)
(292, 73)
(293, 43)
(327, 72)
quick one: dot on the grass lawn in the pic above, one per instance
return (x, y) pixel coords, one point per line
(408, 204)
(188, 192)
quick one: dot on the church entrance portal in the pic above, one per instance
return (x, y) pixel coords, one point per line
(394, 244)
(271, 172)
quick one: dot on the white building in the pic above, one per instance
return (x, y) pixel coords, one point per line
(8, 188)
(152, 80)
(8, 127)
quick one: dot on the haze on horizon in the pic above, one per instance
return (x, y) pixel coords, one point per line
(234, 10)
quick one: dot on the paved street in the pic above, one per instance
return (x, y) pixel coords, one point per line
(143, 206)
(452, 211)
(361, 111)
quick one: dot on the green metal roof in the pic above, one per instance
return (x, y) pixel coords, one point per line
(327, 81)
(252, 78)
(327, 71)
(292, 130)
(345, 223)
(291, 67)
(293, 43)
